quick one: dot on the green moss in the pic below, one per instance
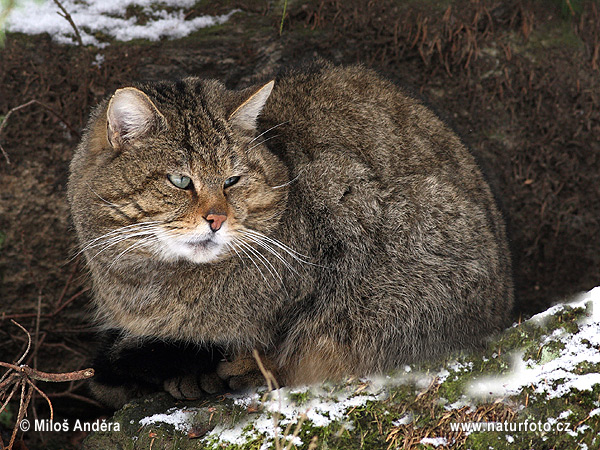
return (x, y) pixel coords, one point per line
(300, 398)
(7, 417)
(556, 35)
(568, 9)
(542, 354)
(537, 425)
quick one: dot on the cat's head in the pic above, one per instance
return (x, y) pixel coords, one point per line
(175, 171)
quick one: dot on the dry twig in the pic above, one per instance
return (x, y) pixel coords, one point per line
(24, 105)
(23, 377)
(69, 19)
(273, 385)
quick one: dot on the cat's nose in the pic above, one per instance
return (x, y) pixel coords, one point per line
(215, 221)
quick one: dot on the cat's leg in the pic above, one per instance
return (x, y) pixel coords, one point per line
(317, 359)
(305, 362)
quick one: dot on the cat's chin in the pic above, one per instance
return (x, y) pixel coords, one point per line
(199, 250)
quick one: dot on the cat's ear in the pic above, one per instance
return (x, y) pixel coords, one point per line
(245, 115)
(130, 115)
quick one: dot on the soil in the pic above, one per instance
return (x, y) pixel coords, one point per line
(519, 81)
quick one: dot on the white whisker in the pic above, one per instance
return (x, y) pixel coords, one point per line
(141, 225)
(290, 251)
(289, 182)
(279, 244)
(261, 257)
(231, 246)
(146, 230)
(264, 132)
(273, 252)
(119, 237)
(252, 261)
(137, 244)
(105, 201)
(262, 142)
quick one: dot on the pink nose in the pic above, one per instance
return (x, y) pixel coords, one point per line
(215, 221)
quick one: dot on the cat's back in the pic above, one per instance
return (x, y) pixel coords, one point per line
(388, 189)
(352, 117)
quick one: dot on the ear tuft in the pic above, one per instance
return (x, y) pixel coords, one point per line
(130, 115)
(246, 114)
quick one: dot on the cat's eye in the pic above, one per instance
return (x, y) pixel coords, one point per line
(230, 182)
(180, 181)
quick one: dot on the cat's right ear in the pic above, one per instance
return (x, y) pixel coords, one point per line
(246, 114)
(130, 115)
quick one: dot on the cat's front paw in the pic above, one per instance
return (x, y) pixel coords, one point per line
(243, 372)
(192, 387)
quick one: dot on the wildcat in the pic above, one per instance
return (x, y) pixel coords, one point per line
(326, 218)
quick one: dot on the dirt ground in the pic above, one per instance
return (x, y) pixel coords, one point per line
(519, 80)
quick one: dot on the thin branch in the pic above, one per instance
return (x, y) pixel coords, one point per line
(76, 397)
(14, 389)
(67, 16)
(21, 412)
(49, 315)
(50, 377)
(68, 283)
(4, 152)
(39, 391)
(24, 105)
(67, 302)
(22, 376)
(28, 342)
(267, 374)
(37, 342)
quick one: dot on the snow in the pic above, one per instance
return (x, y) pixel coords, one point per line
(320, 411)
(557, 376)
(579, 301)
(181, 419)
(404, 420)
(107, 17)
(280, 410)
(595, 412)
(435, 441)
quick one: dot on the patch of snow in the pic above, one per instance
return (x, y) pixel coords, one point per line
(594, 412)
(98, 60)
(556, 377)
(579, 301)
(460, 403)
(107, 17)
(436, 442)
(565, 414)
(181, 419)
(443, 375)
(404, 420)
(233, 436)
(319, 411)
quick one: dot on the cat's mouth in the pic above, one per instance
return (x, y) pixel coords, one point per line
(201, 244)
(198, 249)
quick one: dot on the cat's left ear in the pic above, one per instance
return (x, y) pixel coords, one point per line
(130, 115)
(245, 115)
